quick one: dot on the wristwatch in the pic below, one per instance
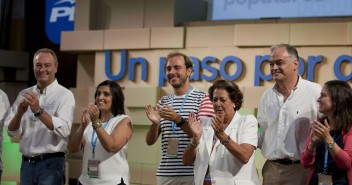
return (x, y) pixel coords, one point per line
(39, 112)
(225, 141)
(331, 144)
(183, 121)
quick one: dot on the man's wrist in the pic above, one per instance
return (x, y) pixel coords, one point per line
(178, 118)
(39, 112)
(180, 122)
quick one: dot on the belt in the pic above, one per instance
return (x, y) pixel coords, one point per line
(285, 161)
(42, 157)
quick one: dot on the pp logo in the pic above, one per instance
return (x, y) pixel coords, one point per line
(59, 16)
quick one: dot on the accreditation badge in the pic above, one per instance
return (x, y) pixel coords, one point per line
(324, 179)
(93, 168)
(172, 147)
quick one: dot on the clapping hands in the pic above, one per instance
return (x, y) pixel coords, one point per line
(152, 114)
(195, 126)
(320, 130)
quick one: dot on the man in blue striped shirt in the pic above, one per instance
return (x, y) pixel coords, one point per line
(170, 120)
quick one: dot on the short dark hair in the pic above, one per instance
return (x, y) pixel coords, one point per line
(118, 99)
(47, 50)
(188, 62)
(340, 93)
(234, 91)
(292, 51)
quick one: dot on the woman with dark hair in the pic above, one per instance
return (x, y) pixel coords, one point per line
(328, 151)
(222, 147)
(103, 135)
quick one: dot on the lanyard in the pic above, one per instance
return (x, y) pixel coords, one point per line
(180, 110)
(214, 140)
(94, 141)
(326, 156)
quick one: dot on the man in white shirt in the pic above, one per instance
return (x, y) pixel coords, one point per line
(4, 107)
(42, 115)
(285, 113)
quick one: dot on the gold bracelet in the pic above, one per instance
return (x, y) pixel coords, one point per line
(98, 128)
(193, 144)
(97, 125)
(191, 147)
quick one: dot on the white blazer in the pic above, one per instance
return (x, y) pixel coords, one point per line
(223, 166)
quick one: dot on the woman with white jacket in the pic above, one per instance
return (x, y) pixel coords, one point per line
(222, 147)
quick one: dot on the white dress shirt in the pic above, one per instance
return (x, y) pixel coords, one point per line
(286, 124)
(36, 138)
(4, 107)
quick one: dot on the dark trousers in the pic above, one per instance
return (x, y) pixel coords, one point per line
(48, 171)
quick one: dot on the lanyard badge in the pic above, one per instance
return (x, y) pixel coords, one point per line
(325, 178)
(173, 143)
(93, 164)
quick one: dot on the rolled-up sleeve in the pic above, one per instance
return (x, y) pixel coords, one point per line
(62, 120)
(4, 109)
(11, 113)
